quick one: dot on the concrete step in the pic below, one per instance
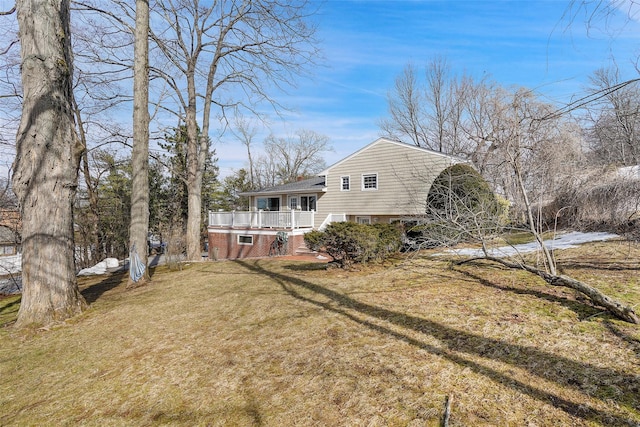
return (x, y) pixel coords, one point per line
(303, 250)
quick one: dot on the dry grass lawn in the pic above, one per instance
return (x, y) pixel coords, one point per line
(287, 343)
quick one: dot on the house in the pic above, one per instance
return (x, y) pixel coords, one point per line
(10, 226)
(384, 181)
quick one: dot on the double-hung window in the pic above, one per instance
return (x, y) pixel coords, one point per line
(345, 184)
(293, 203)
(370, 181)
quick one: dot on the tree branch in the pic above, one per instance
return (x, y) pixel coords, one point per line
(616, 308)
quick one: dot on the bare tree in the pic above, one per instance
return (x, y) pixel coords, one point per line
(440, 95)
(614, 133)
(428, 112)
(522, 134)
(225, 55)
(139, 228)
(290, 158)
(246, 132)
(10, 87)
(46, 165)
(407, 110)
(266, 170)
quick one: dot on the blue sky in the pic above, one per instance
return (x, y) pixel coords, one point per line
(366, 45)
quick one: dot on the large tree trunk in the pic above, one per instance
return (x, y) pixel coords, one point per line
(195, 167)
(194, 220)
(46, 165)
(139, 228)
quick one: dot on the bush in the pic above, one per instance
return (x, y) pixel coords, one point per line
(349, 242)
(460, 207)
(313, 240)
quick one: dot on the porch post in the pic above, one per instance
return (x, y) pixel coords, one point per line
(260, 218)
(293, 219)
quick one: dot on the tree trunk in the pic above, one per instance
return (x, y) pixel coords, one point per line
(91, 252)
(194, 220)
(139, 228)
(46, 165)
(195, 168)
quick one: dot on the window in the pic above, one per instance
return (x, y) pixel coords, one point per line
(293, 203)
(370, 181)
(363, 219)
(245, 240)
(269, 204)
(308, 203)
(7, 250)
(344, 183)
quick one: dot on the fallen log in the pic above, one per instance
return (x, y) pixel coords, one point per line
(616, 308)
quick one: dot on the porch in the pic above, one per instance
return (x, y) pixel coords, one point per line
(290, 219)
(255, 234)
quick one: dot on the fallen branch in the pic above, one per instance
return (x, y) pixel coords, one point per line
(447, 411)
(616, 308)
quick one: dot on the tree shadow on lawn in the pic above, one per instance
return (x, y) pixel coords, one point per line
(9, 306)
(575, 264)
(583, 311)
(93, 292)
(306, 266)
(563, 371)
(5, 307)
(631, 342)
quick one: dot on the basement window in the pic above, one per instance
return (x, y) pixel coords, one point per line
(245, 239)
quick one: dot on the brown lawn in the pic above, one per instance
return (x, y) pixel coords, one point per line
(280, 342)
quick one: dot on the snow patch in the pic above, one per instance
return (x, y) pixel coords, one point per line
(629, 172)
(563, 241)
(10, 264)
(106, 266)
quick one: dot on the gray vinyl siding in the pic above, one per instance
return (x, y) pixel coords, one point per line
(405, 174)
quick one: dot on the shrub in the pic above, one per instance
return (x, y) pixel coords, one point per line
(460, 207)
(313, 240)
(349, 242)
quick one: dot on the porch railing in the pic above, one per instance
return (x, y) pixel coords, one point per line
(263, 219)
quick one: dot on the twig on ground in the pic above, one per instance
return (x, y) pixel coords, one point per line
(447, 411)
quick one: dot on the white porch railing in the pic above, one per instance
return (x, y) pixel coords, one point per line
(262, 219)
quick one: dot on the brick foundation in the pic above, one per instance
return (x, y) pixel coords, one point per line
(233, 243)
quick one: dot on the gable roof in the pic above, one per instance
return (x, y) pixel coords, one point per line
(398, 143)
(311, 185)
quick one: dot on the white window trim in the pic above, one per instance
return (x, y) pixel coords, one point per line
(289, 198)
(244, 243)
(362, 181)
(367, 217)
(341, 182)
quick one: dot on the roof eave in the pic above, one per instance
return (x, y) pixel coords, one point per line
(299, 191)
